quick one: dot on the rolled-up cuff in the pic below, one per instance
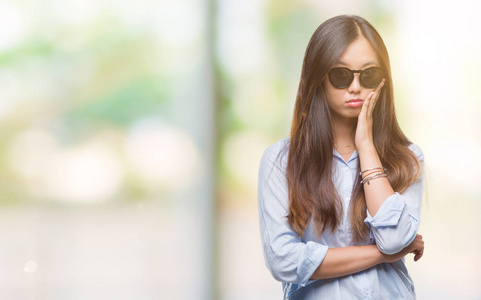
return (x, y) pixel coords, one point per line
(308, 264)
(310, 261)
(388, 214)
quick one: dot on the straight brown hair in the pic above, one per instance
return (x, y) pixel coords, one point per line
(312, 193)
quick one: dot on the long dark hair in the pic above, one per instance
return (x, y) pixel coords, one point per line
(310, 161)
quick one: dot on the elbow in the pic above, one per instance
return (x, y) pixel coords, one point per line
(280, 261)
(392, 239)
(393, 244)
(282, 271)
(390, 248)
(279, 275)
(295, 262)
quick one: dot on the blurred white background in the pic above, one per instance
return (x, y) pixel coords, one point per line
(131, 134)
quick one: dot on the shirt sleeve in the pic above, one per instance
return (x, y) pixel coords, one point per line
(396, 223)
(287, 257)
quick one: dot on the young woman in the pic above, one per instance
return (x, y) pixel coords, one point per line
(339, 200)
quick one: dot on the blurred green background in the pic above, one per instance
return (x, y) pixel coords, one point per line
(131, 134)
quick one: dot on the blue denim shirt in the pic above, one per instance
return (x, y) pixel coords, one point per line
(292, 260)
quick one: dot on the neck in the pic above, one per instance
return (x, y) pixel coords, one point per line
(343, 131)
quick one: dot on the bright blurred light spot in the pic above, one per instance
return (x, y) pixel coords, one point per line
(242, 154)
(12, 24)
(178, 28)
(75, 12)
(31, 266)
(163, 155)
(444, 155)
(179, 23)
(242, 36)
(87, 173)
(441, 94)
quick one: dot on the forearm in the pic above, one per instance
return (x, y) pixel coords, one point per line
(379, 189)
(348, 260)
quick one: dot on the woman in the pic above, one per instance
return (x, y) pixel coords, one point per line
(339, 200)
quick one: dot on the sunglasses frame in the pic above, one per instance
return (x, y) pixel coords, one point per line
(352, 77)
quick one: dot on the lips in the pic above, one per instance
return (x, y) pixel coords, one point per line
(354, 102)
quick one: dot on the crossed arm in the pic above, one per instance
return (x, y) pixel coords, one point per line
(395, 237)
(393, 219)
(348, 260)
(393, 227)
(393, 242)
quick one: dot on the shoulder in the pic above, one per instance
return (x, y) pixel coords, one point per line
(417, 151)
(278, 146)
(276, 154)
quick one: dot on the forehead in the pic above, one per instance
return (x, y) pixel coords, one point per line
(358, 54)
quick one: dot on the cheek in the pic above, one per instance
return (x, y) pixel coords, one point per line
(334, 96)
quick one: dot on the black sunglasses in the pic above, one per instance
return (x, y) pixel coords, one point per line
(342, 77)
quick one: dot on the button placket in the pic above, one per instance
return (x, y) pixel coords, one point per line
(345, 222)
(368, 294)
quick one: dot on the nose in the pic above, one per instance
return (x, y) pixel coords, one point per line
(355, 86)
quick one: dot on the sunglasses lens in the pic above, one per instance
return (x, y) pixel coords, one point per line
(340, 77)
(371, 77)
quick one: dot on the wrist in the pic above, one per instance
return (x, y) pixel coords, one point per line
(384, 258)
(368, 152)
(381, 257)
(366, 147)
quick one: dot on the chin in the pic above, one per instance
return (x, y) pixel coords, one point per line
(347, 115)
(353, 114)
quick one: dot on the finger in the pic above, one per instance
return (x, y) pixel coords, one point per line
(369, 104)
(374, 96)
(419, 251)
(364, 108)
(418, 255)
(379, 87)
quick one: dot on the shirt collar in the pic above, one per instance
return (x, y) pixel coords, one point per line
(353, 157)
